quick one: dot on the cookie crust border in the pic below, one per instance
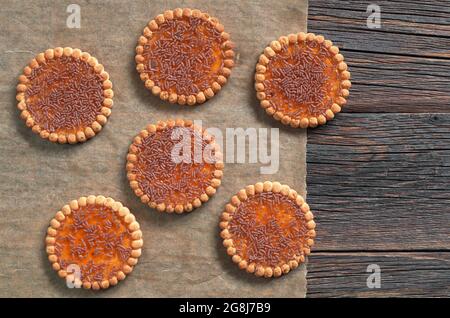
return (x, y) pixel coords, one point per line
(227, 216)
(122, 212)
(226, 46)
(162, 207)
(304, 122)
(81, 135)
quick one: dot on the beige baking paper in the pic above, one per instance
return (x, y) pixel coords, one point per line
(183, 255)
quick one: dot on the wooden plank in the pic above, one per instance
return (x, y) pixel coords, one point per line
(402, 275)
(380, 182)
(411, 84)
(411, 17)
(408, 27)
(407, 60)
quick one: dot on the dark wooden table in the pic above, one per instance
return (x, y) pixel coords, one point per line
(379, 174)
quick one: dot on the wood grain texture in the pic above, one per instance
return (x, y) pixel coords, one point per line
(402, 274)
(380, 182)
(408, 27)
(405, 62)
(384, 83)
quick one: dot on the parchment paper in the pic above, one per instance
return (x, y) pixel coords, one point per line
(183, 255)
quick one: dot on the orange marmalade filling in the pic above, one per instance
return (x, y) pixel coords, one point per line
(268, 229)
(184, 55)
(64, 95)
(302, 80)
(96, 239)
(166, 179)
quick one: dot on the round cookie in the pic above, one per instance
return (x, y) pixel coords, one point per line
(93, 242)
(302, 80)
(184, 56)
(65, 95)
(174, 166)
(267, 229)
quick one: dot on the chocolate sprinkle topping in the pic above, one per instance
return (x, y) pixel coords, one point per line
(301, 80)
(64, 95)
(164, 180)
(268, 229)
(95, 239)
(184, 55)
